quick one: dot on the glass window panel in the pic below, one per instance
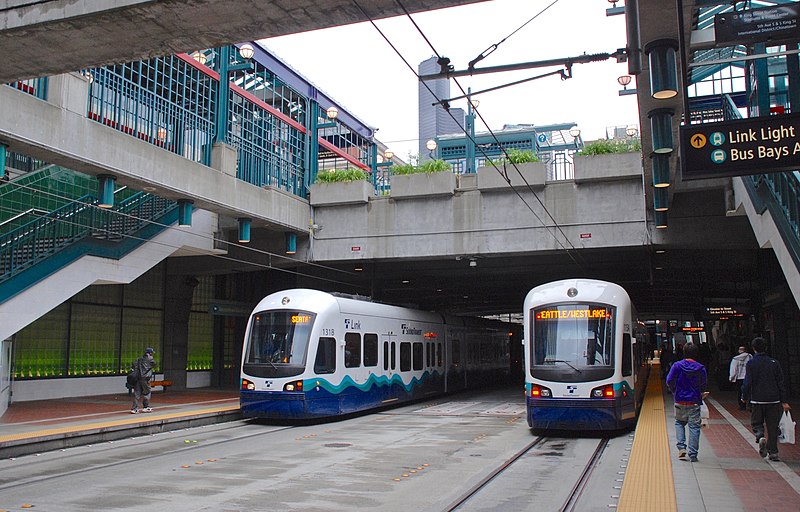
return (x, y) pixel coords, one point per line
(147, 290)
(405, 356)
(352, 350)
(94, 340)
(418, 359)
(141, 328)
(370, 350)
(110, 294)
(578, 335)
(325, 361)
(40, 349)
(200, 350)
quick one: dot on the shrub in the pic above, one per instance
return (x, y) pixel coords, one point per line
(334, 175)
(517, 156)
(427, 167)
(605, 147)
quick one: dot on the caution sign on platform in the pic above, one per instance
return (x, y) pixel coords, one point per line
(741, 147)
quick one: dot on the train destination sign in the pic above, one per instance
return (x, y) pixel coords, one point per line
(741, 147)
(561, 314)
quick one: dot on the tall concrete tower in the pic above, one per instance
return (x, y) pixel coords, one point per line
(435, 120)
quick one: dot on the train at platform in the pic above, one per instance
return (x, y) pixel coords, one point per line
(309, 354)
(585, 356)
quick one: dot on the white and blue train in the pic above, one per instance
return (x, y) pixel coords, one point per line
(585, 356)
(309, 354)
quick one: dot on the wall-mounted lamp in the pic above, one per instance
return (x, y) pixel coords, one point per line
(661, 129)
(661, 220)
(246, 51)
(162, 134)
(388, 154)
(244, 230)
(431, 145)
(291, 243)
(105, 190)
(88, 76)
(614, 10)
(663, 68)
(200, 57)
(661, 199)
(185, 208)
(574, 132)
(624, 81)
(631, 131)
(332, 112)
(473, 262)
(660, 170)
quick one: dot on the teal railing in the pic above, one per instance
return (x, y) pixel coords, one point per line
(43, 237)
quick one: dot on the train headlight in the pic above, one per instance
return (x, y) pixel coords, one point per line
(603, 392)
(248, 385)
(293, 386)
(540, 392)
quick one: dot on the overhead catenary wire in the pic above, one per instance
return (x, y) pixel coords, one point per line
(503, 173)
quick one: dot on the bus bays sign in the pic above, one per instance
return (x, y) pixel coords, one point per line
(745, 146)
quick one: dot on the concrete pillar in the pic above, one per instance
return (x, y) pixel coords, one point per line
(177, 306)
(69, 91)
(223, 158)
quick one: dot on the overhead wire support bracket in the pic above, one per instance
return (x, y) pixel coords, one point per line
(566, 61)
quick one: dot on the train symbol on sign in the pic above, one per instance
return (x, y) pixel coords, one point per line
(717, 138)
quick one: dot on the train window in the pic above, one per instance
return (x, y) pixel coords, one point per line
(394, 356)
(352, 350)
(385, 355)
(279, 337)
(419, 362)
(456, 353)
(405, 356)
(370, 350)
(576, 335)
(428, 354)
(326, 356)
(439, 353)
(627, 361)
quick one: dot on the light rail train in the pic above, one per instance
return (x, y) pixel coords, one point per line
(585, 356)
(309, 354)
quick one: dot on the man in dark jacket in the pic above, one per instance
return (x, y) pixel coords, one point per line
(143, 369)
(763, 383)
(687, 379)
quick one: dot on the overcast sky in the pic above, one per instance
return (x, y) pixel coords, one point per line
(360, 70)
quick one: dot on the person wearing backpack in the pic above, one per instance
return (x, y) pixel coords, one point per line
(141, 373)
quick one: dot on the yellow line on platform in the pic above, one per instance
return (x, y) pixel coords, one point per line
(648, 481)
(105, 425)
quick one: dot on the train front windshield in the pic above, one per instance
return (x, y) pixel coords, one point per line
(278, 343)
(573, 342)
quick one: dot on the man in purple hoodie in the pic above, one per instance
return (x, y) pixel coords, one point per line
(687, 380)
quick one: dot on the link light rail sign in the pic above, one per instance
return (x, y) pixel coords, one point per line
(741, 147)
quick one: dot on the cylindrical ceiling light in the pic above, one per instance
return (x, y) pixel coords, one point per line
(660, 170)
(661, 220)
(663, 68)
(185, 209)
(105, 190)
(661, 129)
(244, 230)
(661, 199)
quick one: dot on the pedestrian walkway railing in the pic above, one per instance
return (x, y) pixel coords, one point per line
(43, 237)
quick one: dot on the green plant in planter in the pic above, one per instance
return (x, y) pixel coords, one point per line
(517, 156)
(336, 175)
(606, 147)
(426, 167)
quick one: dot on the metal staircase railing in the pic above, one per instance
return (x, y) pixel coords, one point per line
(43, 237)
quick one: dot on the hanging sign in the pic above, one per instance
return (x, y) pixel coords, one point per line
(737, 148)
(773, 23)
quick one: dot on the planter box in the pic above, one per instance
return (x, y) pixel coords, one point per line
(342, 192)
(423, 184)
(489, 178)
(614, 166)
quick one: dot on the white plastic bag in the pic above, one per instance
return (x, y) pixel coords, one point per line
(786, 427)
(704, 415)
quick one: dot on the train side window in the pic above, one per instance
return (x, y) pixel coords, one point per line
(627, 360)
(428, 354)
(439, 353)
(405, 356)
(325, 361)
(418, 356)
(370, 350)
(394, 356)
(385, 355)
(352, 350)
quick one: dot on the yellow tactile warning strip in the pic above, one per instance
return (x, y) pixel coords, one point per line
(648, 481)
(107, 425)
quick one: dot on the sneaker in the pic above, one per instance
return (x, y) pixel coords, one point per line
(682, 454)
(147, 409)
(774, 457)
(693, 459)
(762, 447)
(134, 411)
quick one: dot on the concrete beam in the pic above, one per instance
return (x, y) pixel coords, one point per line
(56, 36)
(61, 136)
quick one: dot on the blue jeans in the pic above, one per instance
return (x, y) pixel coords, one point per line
(688, 415)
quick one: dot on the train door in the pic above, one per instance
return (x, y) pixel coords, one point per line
(388, 352)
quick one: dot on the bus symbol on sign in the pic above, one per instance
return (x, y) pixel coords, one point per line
(698, 141)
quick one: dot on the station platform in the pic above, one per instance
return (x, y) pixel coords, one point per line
(729, 475)
(42, 425)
